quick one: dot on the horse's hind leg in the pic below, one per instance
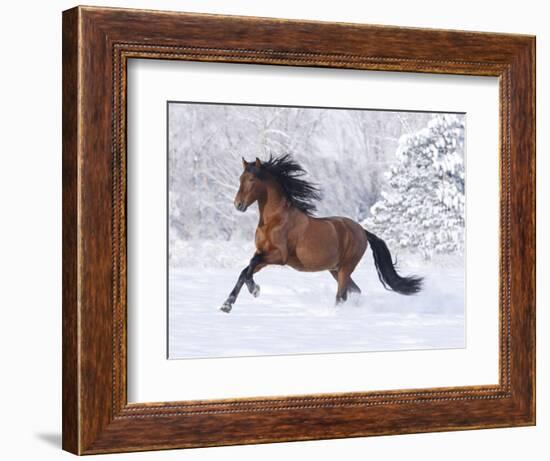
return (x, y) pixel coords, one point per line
(352, 286)
(343, 278)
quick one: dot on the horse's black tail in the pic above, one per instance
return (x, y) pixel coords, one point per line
(386, 269)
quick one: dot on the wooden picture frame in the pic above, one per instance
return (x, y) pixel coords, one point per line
(97, 43)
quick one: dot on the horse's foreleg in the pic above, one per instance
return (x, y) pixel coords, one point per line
(228, 304)
(244, 277)
(258, 262)
(254, 266)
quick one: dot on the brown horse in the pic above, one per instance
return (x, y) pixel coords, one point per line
(288, 234)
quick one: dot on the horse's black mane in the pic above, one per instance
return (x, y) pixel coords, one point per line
(288, 173)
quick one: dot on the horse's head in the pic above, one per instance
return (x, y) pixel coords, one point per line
(251, 186)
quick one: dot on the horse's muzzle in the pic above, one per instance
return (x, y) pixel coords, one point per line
(240, 206)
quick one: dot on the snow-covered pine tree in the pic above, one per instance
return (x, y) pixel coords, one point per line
(422, 210)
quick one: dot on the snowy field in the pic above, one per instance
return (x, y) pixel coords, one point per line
(399, 174)
(295, 312)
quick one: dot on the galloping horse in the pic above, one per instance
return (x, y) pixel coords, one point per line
(288, 233)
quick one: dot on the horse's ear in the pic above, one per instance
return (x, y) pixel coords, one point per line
(257, 163)
(245, 163)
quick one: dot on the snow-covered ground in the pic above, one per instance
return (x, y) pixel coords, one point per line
(295, 312)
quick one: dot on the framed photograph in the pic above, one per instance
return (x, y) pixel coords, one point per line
(281, 230)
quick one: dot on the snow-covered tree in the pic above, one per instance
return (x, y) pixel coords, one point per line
(422, 209)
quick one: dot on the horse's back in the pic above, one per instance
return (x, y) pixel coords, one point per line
(351, 235)
(324, 243)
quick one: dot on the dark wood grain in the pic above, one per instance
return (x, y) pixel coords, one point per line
(97, 43)
(70, 384)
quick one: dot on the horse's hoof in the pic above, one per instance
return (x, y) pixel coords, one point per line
(256, 291)
(226, 307)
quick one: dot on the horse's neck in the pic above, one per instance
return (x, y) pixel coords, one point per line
(272, 204)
